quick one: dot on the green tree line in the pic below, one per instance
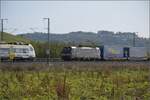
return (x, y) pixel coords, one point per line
(55, 48)
(41, 47)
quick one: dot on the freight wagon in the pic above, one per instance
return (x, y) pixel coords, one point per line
(105, 52)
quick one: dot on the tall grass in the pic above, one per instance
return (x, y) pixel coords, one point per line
(75, 82)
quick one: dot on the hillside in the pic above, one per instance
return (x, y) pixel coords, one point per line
(83, 38)
(14, 38)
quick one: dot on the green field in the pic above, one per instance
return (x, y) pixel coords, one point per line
(75, 83)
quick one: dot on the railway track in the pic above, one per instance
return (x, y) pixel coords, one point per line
(42, 64)
(35, 60)
(60, 61)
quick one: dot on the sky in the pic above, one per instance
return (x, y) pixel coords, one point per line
(68, 16)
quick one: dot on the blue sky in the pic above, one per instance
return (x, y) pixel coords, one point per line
(68, 16)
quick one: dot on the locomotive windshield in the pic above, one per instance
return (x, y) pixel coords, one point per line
(66, 50)
(21, 50)
(31, 49)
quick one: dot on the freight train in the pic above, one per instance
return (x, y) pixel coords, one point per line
(16, 51)
(105, 52)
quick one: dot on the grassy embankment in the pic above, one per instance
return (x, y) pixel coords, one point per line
(13, 38)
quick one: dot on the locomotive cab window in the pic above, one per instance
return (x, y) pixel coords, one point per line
(31, 49)
(25, 50)
(67, 50)
(21, 50)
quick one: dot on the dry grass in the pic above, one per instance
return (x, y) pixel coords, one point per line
(75, 81)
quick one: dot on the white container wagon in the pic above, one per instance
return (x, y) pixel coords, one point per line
(139, 53)
(113, 52)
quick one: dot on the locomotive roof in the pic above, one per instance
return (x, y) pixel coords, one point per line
(83, 47)
(14, 43)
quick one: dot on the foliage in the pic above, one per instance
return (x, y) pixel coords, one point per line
(86, 38)
(41, 47)
(12, 38)
(76, 84)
